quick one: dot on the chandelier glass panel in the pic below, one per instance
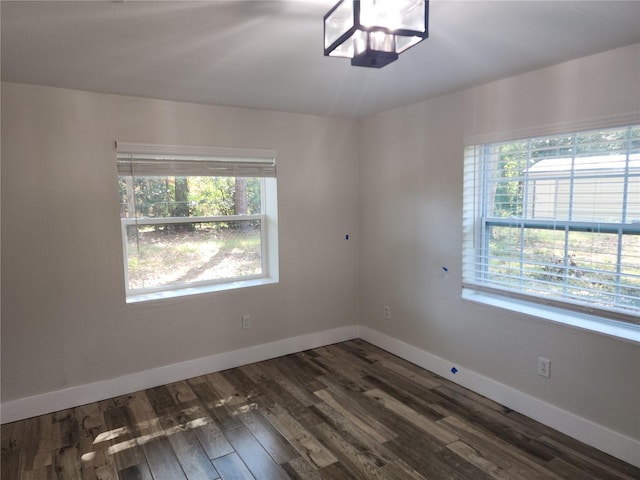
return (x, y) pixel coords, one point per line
(372, 33)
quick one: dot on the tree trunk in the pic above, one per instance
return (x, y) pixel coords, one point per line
(181, 203)
(240, 200)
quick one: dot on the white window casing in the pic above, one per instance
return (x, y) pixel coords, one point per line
(555, 220)
(136, 160)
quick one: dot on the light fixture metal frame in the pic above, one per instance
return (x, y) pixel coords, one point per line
(370, 57)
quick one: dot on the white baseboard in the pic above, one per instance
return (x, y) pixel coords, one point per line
(602, 438)
(92, 392)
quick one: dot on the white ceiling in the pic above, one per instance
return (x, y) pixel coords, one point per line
(268, 54)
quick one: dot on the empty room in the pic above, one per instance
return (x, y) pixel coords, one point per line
(320, 239)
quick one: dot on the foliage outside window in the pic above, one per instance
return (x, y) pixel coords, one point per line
(192, 221)
(556, 219)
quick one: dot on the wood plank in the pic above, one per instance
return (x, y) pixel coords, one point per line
(212, 440)
(270, 439)
(226, 390)
(135, 472)
(566, 470)
(259, 463)
(480, 400)
(218, 410)
(10, 464)
(161, 400)
(348, 370)
(361, 463)
(29, 444)
(576, 446)
(370, 412)
(519, 464)
(443, 434)
(336, 471)
(294, 368)
(299, 469)
(182, 393)
(399, 470)
(419, 378)
(146, 422)
(43, 473)
(353, 434)
(246, 387)
(66, 463)
(162, 461)
(122, 437)
(287, 401)
(474, 457)
(297, 391)
(352, 349)
(421, 455)
(586, 463)
(261, 372)
(231, 467)
(306, 361)
(97, 462)
(304, 442)
(192, 458)
(493, 421)
(376, 431)
(65, 429)
(421, 402)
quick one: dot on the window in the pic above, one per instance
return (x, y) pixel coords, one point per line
(196, 219)
(556, 220)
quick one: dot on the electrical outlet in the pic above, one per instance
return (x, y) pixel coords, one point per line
(246, 321)
(387, 312)
(544, 367)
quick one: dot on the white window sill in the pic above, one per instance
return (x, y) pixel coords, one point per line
(181, 292)
(593, 323)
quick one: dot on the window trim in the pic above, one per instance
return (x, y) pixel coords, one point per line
(205, 161)
(585, 316)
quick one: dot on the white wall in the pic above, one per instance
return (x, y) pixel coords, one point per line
(64, 318)
(411, 226)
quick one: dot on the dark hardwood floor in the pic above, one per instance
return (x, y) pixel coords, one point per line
(346, 411)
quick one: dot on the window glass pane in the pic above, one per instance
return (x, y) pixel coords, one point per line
(504, 255)
(181, 253)
(553, 146)
(152, 197)
(592, 267)
(602, 142)
(507, 173)
(633, 197)
(630, 270)
(599, 200)
(544, 254)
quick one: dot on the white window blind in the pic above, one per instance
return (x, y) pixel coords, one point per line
(158, 160)
(556, 220)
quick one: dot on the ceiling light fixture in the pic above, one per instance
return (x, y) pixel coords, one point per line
(373, 32)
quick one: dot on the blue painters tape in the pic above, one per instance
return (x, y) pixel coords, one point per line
(454, 370)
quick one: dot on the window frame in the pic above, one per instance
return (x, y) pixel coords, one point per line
(476, 231)
(230, 162)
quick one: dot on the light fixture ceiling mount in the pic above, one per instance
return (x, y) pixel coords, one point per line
(374, 32)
